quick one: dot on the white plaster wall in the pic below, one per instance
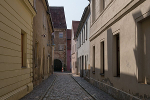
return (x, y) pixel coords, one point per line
(84, 49)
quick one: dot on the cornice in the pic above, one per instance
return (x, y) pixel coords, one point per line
(28, 4)
(132, 5)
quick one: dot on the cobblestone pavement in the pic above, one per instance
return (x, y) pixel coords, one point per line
(39, 91)
(65, 86)
(92, 90)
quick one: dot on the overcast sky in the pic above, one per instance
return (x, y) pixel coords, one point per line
(73, 9)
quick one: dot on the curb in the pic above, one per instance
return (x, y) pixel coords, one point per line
(42, 97)
(84, 88)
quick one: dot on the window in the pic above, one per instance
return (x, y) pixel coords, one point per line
(36, 54)
(87, 57)
(102, 5)
(93, 59)
(82, 36)
(143, 50)
(35, 4)
(75, 47)
(61, 47)
(102, 53)
(116, 55)
(80, 40)
(60, 34)
(103, 2)
(93, 10)
(79, 69)
(86, 31)
(85, 63)
(75, 64)
(82, 68)
(23, 49)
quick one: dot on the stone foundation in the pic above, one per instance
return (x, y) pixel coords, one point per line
(116, 93)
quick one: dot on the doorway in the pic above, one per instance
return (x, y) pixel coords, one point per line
(57, 65)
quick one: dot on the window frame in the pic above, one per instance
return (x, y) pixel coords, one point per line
(61, 33)
(102, 58)
(116, 56)
(93, 60)
(23, 49)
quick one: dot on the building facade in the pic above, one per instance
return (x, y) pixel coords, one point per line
(68, 50)
(74, 68)
(119, 47)
(42, 42)
(83, 50)
(16, 19)
(60, 37)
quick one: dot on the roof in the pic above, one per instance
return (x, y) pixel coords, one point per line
(58, 17)
(75, 25)
(69, 34)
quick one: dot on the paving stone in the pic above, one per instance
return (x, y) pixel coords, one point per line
(92, 90)
(40, 89)
(44, 99)
(62, 86)
(66, 88)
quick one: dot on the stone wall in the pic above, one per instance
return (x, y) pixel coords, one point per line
(60, 54)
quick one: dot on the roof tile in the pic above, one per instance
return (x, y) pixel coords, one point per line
(58, 17)
(75, 25)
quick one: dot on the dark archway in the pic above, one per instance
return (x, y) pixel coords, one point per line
(57, 65)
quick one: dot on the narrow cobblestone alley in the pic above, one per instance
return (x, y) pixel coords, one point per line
(65, 86)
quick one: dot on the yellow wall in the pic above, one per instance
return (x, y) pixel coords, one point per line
(15, 16)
